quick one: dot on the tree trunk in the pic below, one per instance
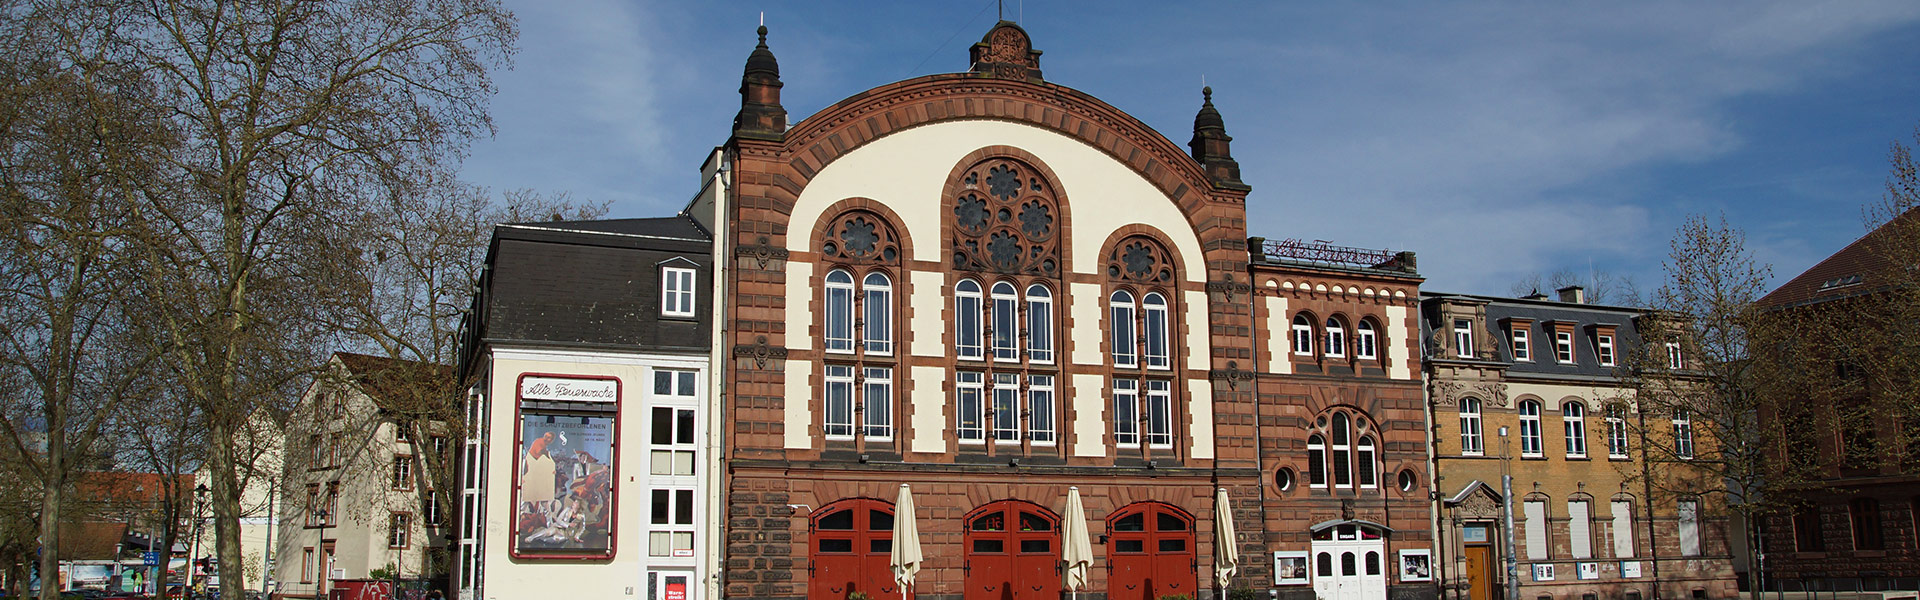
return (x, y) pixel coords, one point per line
(51, 497)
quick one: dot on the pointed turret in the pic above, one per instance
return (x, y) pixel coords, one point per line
(761, 116)
(1211, 145)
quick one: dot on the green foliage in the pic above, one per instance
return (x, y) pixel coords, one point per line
(1242, 593)
(387, 572)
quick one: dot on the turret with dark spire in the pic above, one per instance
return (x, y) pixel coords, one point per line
(761, 116)
(1211, 145)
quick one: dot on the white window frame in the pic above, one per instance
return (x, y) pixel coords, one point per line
(1336, 338)
(1158, 332)
(1317, 477)
(1366, 341)
(968, 331)
(1122, 335)
(876, 399)
(1604, 344)
(1340, 451)
(877, 330)
(1005, 412)
(970, 384)
(1472, 441)
(1682, 433)
(1004, 312)
(837, 420)
(677, 291)
(1573, 420)
(1040, 341)
(1463, 338)
(1366, 473)
(1041, 406)
(1530, 435)
(664, 537)
(1617, 432)
(1563, 347)
(1302, 335)
(1580, 528)
(1159, 413)
(399, 530)
(1675, 360)
(1522, 344)
(1536, 526)
(1126, 413)
(837, 326)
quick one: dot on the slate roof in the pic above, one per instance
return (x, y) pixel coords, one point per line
(1849, 272)
(678, 227)
(1586, 359)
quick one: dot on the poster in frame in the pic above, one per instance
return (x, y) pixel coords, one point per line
(1290, 568)
(1416, 565)
(565, 499)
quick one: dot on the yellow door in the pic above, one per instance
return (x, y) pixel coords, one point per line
(1480, 572)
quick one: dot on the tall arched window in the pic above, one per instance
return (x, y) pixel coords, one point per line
(1007, 229)
(1125, 348)
(966, 322)
(1342, 461)
(1617, 430)
(1006, 323)
(1302, 335)
(1336, 338)
(879, 314)
(1573, 417)
(1471, 443)
(1366, 341)
(1317, 461)
(839, 308)
(1530, 428)
(1039, 324)
(1155, 307)
(1365, 467)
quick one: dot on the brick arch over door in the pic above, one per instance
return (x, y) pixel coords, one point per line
(816, 142)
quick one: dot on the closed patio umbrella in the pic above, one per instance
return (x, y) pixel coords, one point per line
(1226, 558)
(1078, 554)
(906, 541)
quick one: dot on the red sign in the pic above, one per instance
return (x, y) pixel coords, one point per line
(676, 588)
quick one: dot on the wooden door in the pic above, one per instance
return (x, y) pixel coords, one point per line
(1479, 572)
(1151, 553)
(1013, 551)
(851, 547)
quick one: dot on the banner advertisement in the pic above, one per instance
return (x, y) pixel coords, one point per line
(566, 484)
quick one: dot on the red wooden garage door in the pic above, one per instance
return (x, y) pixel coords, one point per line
(851, 544)
(1150, 552)
(1013, 552)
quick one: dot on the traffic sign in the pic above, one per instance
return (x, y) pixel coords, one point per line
(150, 559)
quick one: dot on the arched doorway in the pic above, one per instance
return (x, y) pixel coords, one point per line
(1150, 552)
(1349, 561)
(851, 544)
(1013, 552)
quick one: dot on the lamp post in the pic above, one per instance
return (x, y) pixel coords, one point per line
(326, 557)
(1506, 494)
(193, 545)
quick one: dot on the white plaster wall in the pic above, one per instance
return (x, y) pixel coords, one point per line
(929, 302)
(799, 416)
(1087, 301)
(1199, 352)
(622, 576)
(1090, 415)
(1200, 417)
(799, 305)
(1399, 324)
(1277, 331)
(908, 170)
(929, 409)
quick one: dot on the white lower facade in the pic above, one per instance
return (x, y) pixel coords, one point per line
(587, 476)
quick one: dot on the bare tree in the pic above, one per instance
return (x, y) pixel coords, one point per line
(1694, 386)
(1601, 287)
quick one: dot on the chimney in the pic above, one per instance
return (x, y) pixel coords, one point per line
(1573, 294)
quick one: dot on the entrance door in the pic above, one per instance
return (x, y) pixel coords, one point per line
(1013, 549)
(1349, 563)
(851, 547)
(1479, 572)
(1151, 553)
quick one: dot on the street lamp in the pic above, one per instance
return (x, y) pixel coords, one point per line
(193, 546)
(326, 557)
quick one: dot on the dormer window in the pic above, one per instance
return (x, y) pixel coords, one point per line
(1463, 338)
(1674, 359)
(1604, 343)
(676, 292)
(1522, 344)
(1563, 347)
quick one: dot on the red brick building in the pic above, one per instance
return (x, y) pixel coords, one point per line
(993, 288)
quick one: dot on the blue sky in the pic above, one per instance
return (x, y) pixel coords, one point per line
(1497, 140)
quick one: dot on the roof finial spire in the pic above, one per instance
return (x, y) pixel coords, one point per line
(1211, 145)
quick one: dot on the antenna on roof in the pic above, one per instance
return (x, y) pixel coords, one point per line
(1002, 11)
(763, 18)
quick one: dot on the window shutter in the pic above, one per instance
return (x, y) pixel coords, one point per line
(1536, 529)
(1622, 529)
(1580, 528)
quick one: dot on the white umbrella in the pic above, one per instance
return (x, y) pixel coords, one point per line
(1226, 558)
(1078, 553)
(906, 541)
